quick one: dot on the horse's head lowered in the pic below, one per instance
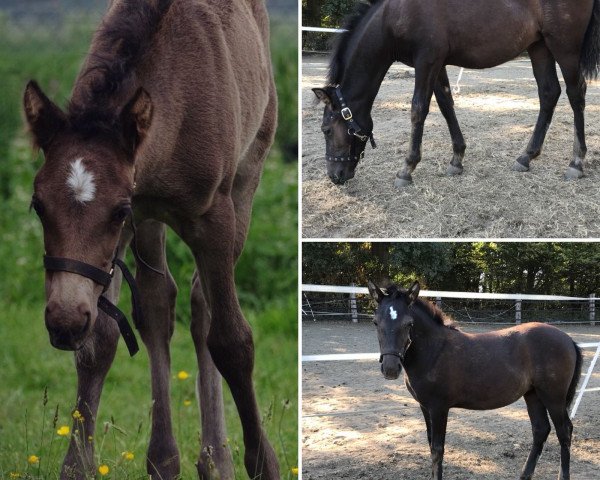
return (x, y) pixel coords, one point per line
(82, 195)
(394, 320)
(345, 140)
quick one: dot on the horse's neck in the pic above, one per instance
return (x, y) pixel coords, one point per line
(367, 61)
(428, 340)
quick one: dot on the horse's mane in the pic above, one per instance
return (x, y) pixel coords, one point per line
(119, 44)
(341, 40)
(429, 308)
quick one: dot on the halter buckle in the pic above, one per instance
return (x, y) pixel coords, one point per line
(346, 113)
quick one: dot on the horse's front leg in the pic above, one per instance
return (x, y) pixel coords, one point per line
(443, 95)
(211, 238)
(439, 420)
(158, 293)
(425, 78)
(92, 362)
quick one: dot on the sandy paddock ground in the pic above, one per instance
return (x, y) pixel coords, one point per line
(497, 109)
(358, 425)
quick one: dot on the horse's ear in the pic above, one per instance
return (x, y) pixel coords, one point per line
(322, 95)
(136, 118)
(413, 291)
(44, 118)
(375, 291)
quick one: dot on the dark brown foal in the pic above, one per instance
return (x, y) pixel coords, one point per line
(169, 123)
(446, 368)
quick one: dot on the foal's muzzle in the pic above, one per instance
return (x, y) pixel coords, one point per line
(67, 335)
(391, 365)
(340, 172)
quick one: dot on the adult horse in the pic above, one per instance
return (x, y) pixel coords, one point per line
(428, 35)
(169, 122)
(446, 368)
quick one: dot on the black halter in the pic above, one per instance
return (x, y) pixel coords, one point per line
(400, 355)
(103, 278)
(359, 138)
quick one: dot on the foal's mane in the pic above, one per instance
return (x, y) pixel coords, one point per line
(428, 308)
(341, 40)
(123, 38)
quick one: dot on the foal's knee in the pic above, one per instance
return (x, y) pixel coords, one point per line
(540, 433)
(232, 349)
(419, 112)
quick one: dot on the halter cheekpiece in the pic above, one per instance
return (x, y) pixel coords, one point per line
(359, 138)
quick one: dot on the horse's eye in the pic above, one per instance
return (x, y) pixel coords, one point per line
(37, 206)
(326, 131)
(121, 213)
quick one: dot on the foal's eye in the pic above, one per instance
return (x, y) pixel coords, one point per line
(121, 213)
(326, 131)
(37, 206)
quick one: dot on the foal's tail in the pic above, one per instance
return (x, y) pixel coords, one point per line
(590, 52)
(577, 373)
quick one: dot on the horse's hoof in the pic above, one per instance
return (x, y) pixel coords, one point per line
(573, 173)
(519, 166)
(403, 181)
(454, 170)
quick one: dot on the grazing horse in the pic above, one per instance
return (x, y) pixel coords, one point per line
(430, 34)
(169, 122)
(446, 368)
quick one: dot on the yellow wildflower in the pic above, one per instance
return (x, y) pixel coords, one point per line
(294, 470)
(128, 455)
(15, 475)
(33, 459)
(187, 403)
(182, 375)
(63, 431)
(90, 438)
(103, 470)
(78, 416)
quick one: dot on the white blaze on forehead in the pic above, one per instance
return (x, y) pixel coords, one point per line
(393, 313)
(81, 182)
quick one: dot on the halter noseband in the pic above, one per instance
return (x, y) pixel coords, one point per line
(59, 264)
(359, 138)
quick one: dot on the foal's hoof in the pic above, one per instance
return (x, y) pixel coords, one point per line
(403, 180)
(454, 170)
(573, 173)
(521, 164)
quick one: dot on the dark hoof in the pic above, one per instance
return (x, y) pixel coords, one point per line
(573, 173)
(521, 165)
(454, 170)
(402, 181)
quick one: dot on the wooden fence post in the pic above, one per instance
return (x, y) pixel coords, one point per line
(592, 309)
(518, 312)
(438, 302)
(353, 309)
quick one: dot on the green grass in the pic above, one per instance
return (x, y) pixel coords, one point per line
(266, 276)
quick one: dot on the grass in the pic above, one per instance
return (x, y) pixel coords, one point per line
(266, 278)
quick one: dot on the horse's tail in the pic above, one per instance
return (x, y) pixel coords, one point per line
(577, 372)
(590, 52)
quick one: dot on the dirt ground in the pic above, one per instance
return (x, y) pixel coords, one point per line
(358, 425)
(497, 109)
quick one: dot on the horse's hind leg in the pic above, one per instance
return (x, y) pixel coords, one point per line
(564, 430)
(158, 293)
(544, 70)
(92, 362)
(426, 74)
(443, 95)
(214, 461)
(540, 426)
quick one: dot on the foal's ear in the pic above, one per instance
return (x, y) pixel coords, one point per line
(413, 291)
(44, 118)
(136, 118)
(375, 291)
(322, 95)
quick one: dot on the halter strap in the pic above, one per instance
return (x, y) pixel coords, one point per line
(103, 278)
(359, 138)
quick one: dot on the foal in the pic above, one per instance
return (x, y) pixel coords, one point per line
(170, 120)
(446, 368)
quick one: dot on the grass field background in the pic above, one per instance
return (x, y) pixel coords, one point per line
(266, 276)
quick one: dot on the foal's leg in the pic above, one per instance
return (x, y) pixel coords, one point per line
(211, 239)
(158, 293)
(439, 420)
(425, 78)
(427, 424)
(540, 426)
(576, 88)
(564, 429)
(544, 70)
(92, 362)
(443, 95)
(214, 461)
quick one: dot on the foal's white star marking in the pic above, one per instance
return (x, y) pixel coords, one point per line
(393, 313)
(81, 182)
